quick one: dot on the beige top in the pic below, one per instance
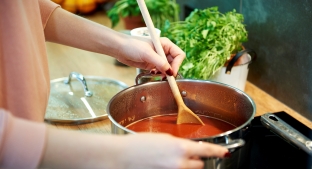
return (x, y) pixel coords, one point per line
(24, 81)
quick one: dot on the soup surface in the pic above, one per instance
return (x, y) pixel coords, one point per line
(167, 124)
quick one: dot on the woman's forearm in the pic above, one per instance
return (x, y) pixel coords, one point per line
(69, 29)
(72, 149)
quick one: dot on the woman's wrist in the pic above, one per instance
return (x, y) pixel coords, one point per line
(114, 46)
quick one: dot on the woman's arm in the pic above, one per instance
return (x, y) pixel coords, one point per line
(22, 145)
(69, 29)
(71, 149)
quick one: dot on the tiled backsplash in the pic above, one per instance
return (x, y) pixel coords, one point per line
(281, 34)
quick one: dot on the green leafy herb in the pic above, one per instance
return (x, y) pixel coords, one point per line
(208, 37)
(160, 11)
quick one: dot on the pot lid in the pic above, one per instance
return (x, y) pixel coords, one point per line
(79, 99)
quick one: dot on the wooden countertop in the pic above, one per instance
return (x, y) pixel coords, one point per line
(64, 59)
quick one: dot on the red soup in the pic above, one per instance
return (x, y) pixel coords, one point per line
(167, 124)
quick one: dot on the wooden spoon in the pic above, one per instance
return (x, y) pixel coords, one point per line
(185, 115)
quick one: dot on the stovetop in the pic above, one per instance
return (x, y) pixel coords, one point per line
(269, 151)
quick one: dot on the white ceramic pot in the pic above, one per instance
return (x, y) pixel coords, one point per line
(236, 72)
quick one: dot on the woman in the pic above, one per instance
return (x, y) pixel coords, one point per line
(26, 142)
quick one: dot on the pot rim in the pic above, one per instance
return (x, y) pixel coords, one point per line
(192, 80)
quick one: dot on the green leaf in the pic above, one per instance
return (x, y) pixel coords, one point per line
(204, 33)
(208, 37)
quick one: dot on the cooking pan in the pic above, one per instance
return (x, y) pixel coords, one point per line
(203, 97)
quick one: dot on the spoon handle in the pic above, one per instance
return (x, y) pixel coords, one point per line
(158, 47)
(185, 115)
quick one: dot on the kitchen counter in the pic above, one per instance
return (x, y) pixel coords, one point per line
(64, 59)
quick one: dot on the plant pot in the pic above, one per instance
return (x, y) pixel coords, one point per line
(132, 22)
(235, 71)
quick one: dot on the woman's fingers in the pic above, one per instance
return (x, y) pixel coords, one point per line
(173, 61)
(175, 55)
(195, 152)
(166, 151)
(192, 164)
(161, 64)
(205, 149)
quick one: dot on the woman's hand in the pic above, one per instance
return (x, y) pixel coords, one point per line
(163, 151)
(140, 52)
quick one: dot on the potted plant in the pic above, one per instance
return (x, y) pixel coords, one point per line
(160, 11)
(209, 39)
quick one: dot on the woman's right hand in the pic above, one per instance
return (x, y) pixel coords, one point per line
(163, 151)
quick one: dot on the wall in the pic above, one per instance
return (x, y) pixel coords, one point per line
(281, 34)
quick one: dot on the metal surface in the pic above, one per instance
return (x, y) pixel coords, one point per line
(206, 98)
(74, 103)
(82, 80)
(232, 145)
(284, 130)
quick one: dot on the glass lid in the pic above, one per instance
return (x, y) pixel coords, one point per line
(79, 99)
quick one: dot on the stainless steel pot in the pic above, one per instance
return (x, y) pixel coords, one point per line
(206, 98)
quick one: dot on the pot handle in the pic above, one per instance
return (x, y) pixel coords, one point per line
(82, 80)
(232, 145)
(251, 52)
(282, 129)
(152, 77)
